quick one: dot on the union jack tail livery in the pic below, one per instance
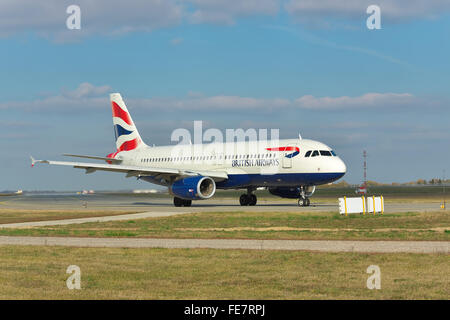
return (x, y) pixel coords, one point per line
(127, 135)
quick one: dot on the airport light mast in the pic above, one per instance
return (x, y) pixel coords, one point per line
(443, 189)
(362, 190)
(365, 169)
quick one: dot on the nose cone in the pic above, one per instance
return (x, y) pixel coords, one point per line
(338, 168)
(341, 167)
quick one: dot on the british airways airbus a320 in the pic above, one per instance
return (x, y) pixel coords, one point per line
(290, 169)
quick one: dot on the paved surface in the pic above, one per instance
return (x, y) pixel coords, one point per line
(155, 206)
(308, 245)
(159, 203)
(161, 206)
(132, 216)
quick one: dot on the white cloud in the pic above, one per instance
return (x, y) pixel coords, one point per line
(392, 10)
(110, 17)
(176, 41)
(86, 90)
(197, 102)
(84, 96)
(368, 100)
(87, 95)
(116, 17)
(226, 12)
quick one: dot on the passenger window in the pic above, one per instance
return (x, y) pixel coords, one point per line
(307, 154)
(315, 153)
(325, 153)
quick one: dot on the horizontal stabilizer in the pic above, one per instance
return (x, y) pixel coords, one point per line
(115, 161)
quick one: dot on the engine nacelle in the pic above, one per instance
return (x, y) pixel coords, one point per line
(193, 188)
(292, 192)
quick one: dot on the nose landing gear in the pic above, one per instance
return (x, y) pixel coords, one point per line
(303, 202)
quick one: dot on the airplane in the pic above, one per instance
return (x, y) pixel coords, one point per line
(9, 194)
(290, 169)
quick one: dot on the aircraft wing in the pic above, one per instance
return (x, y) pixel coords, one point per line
(168, 174)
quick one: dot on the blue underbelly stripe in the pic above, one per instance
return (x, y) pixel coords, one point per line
(273, 180)
(281, 179)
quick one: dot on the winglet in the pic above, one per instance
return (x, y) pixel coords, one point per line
(33, 161)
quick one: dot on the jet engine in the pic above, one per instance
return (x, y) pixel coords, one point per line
(193, 188)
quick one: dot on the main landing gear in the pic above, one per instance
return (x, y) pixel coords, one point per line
(248, 199)
(178, 202)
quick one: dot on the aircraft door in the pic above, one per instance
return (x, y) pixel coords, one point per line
(287, 157)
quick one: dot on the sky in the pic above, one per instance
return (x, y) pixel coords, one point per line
(309, 67)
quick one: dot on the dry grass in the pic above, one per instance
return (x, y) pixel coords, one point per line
(264, 225)
(39, 273)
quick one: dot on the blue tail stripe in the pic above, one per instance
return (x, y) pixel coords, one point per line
(119, 131)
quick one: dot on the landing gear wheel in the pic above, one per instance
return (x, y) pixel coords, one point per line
(244, 200)
(178, 202)
(247, 200)
(303, 202)
(253, 200)
(187, 203)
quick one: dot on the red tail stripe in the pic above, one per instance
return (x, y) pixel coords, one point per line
(126, 146)
(118, 112)
(129, 145)
(283, 149)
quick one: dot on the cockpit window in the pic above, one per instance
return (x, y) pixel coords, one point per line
(307, 154)
(325, 153)
(315, 153)
(333, 153)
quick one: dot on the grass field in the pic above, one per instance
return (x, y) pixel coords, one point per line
(263, 225)
(40, 273)
(409, 193)
(32, 272)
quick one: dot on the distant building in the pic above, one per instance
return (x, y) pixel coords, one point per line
(146, 191)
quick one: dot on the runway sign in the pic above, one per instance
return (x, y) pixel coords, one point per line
(361, 205)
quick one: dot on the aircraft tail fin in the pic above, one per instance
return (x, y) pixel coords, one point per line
(126, 133)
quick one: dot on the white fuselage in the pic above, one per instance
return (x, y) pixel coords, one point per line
(258, 163)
